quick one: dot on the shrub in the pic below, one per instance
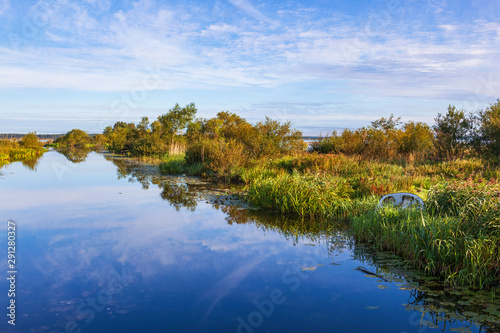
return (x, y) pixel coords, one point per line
(30, 140)
(490, 128)
(225, 157)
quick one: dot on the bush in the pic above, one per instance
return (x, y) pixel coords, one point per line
(490, 128)
(30, 140)
(74, 138)
(225, 158)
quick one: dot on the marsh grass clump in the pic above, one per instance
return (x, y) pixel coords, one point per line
(457, 238)
(303, 194)
(173, 165)
(476, 205)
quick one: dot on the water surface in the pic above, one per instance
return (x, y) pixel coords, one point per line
(105, 247)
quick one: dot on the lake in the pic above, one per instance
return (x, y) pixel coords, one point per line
(104, 245)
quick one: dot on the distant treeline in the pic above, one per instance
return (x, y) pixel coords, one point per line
(18, 136)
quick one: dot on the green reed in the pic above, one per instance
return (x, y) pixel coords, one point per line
(457, 238)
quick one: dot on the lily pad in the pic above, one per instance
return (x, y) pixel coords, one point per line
(429, 324)
(406, 288)
(460, 329)
(312, 268)
(371, 307)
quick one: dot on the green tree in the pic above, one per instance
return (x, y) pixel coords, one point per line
(177, 119)
(452, 132)
(386, 124)
(30, 140)
(490, 128)
(73, 138)
(416, 137)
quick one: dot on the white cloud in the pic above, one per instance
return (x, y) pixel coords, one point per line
(447, 27)
(112, 52)
(247, 7)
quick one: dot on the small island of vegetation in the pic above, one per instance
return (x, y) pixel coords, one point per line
(27, 148)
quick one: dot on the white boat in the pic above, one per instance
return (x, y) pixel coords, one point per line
(402, 200)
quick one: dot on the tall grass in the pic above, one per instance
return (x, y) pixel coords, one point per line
(305, 195)
(457, 238)
(173, 165)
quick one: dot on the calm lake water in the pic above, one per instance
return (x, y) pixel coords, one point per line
(104, 247)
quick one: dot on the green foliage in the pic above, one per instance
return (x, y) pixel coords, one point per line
(74, 138)
(490, 128)
(303, 195)
(30, 140)
(177, 119)
(442, 246)
(452, 132)
(475, 204)
(150, 139)
(382, 139)
(225, 158)
(11, 150)
(276, 139)
(416, 138)
(173, 165)
(227, 143)
(100, 140)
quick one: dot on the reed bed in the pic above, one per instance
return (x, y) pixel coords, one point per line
(310, 195)
(456, 238)
(173, 165)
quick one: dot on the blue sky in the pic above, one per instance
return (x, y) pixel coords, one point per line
(320, 64)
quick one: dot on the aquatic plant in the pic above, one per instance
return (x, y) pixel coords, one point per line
(456, 239)
(173, 165)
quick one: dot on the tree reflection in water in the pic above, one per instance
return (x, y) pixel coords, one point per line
(175, 190)
(75, 154)
(32, 163)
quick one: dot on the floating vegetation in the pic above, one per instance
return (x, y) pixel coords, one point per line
(371, 307)
(311, 268)
(440, 304)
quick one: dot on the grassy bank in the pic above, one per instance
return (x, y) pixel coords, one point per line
(457, 237)
(13, 150)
